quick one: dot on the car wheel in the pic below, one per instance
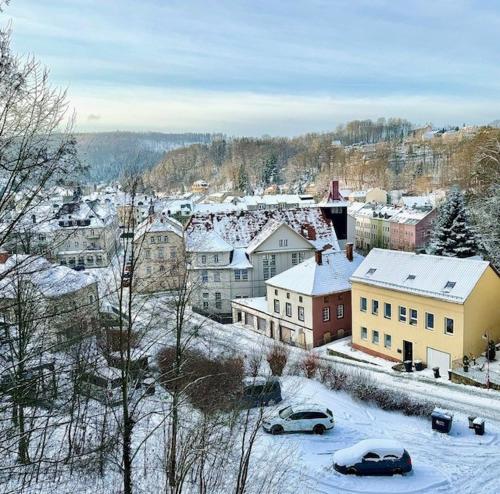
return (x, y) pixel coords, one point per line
(319, 429)
(352, 471)
(397, 471)
(276, 429)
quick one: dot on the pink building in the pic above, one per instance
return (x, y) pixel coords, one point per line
(410, 229)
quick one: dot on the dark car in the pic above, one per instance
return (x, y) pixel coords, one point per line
(79, 267)
(373, 457)
(261, 391)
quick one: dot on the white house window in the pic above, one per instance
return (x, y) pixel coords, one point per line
(283, 242)
(240, 274)
(173, 252)
(300, 313)
(413, 317)
(375, 337)
(205, 295)
(147, 253)
(387, 340)
(203, 259)
(152, 240)
(340, 311)
(448, 325)
(288, 309)
(162, 268)
(269, 265)
(276, 306)
(204, 276)
(326, 313)
(91, 299)
(216, 276)
(205, 304)
(218, 300)
(429, 320)
(364, 333)
(161, 253)
(387, 311)
(402, 314)
(216, 258)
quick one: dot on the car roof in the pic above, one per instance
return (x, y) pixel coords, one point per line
(309, 407)
(381, 447)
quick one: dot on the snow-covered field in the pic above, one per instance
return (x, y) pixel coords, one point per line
(460, 462)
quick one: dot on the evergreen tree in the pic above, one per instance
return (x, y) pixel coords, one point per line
(453, 236)
(242, 179)
(270, 171)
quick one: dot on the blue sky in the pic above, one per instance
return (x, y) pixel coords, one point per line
(265, 67)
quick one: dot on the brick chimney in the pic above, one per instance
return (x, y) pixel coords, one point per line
(334, 192)
(318, 255)
(349, 251)
(4, 256)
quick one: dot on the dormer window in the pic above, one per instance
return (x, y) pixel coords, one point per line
(410, 277)
(371, 271)
(450, 285)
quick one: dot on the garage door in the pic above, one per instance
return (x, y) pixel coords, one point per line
(435, 358)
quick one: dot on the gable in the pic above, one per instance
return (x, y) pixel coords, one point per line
(283, 238)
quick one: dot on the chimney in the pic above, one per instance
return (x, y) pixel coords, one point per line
(349, 251)
(4, 256)
(334, 192)
(319, 257)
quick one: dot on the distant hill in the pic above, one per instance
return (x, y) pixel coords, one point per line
(109, 154)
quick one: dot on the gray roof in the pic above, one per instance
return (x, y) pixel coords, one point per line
(445, 278)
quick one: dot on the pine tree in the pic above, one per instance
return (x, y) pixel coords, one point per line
(242, 179)
(453, 236)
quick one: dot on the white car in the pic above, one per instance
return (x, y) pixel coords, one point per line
(300, 418)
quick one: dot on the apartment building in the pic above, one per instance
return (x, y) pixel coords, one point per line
(159, 254)
(409, 306)
(307, 305)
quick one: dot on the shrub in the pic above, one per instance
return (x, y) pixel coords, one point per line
(310, 364)
(277, 357)
(210, 385)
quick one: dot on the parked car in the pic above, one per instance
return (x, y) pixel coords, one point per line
(300, 418)
(261, 391)
(79, 267)
(373, 457)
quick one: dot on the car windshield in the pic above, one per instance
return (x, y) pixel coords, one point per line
(286, 412)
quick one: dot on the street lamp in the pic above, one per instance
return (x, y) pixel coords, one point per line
(486, 336)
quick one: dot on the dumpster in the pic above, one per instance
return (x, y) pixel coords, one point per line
(441, 420)
(478, 425)
(471, 421)
(408, 365)
(419, 365)
(436, 372)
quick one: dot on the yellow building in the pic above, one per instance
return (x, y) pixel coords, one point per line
(408, 306)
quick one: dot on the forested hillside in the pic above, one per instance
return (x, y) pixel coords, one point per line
(362, 154)
(109, 154)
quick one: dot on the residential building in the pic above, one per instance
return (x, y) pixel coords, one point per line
(233, 254)
(61, 301)
(409, 306)
(159, 254)
(199, 187)
(375, 195)
(307, 305)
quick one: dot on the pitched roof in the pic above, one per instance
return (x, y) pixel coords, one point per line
(209, 242)
(159, 223)
(311, 278)
(445, 278)
(239, 228)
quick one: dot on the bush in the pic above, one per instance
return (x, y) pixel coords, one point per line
(211, 385)
(361, 386)
(277, 357)
(310, 364)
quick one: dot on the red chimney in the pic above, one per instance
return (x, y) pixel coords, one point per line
(319, 257)
(3, 257)
(334, 192)
(349, 251)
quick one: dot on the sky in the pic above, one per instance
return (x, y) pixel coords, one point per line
(277, 67)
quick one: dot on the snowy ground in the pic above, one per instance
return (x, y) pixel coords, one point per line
(460, 462)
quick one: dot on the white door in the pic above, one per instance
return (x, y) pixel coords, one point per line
(436, 358)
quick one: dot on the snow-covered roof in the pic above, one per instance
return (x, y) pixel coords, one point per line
(446, 278)
(382, 447)
(256, 303)
(416, 201)
(240, 260)
(208, 242)
(239, 228)
(49, 279)
(267, 230)
(158, 224)
(313, 279)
